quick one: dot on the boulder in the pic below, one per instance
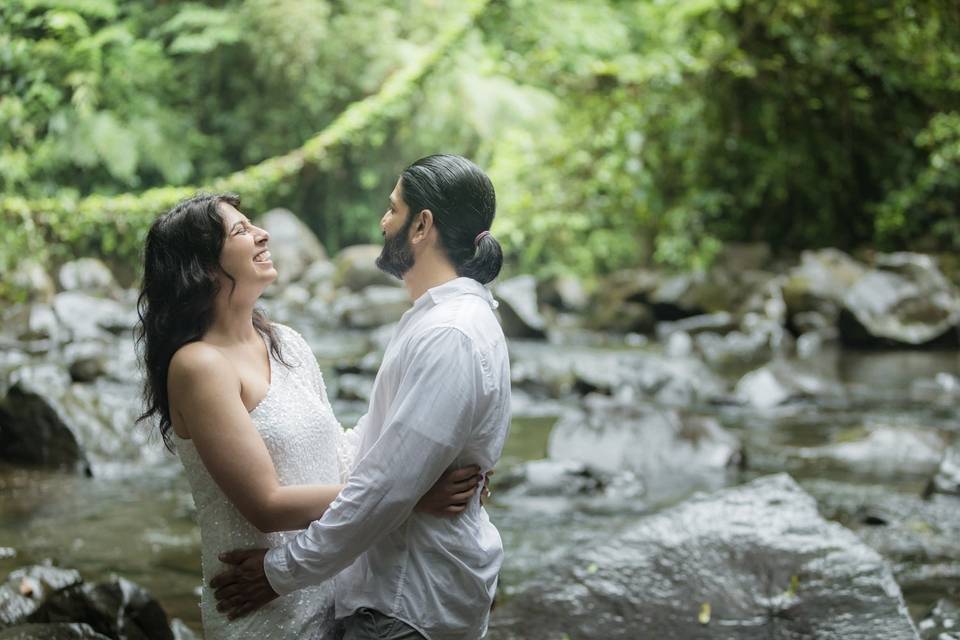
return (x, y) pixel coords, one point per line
(356, 268)
(519, 312)
(779, 383)
(26, 588)
(565, 293)
(35, 428)
(293, 246)
(89, 275)
(55, 631)
(88, 317)
(671, 454)
(820, 282)
(942, 622)
(31, 278)
(620, 302)
(947, 478)
(373, 307)
(884, 451)
(750, 562)
(905, 301)
(117, 609)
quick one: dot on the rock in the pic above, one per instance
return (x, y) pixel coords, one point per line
(679, 345)
(720, 322)
(293, 246)
(56, 631)
(32, 279)
(318, 278)
(565, 293)
(552, 478)
(87, 317)
(356, 268)
(373, 307)
(738, 257)
(947, 478)
(942, 622)
(117, 609)
(34, 327)
(884, 451)
(820, 282)
(519, 312)
(778, 383)
(26, 588)
(620, 302)
(87, 361)
(89, 275)
(34, 426)
(669, 453)
(690, 294)
(750, 562)
(352, 386)
(906, 301)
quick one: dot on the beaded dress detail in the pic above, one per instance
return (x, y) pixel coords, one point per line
(307, 446)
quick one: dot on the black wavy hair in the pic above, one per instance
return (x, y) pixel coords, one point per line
(181, 262)
(463, 203)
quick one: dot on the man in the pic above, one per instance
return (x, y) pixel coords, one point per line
(440, 400)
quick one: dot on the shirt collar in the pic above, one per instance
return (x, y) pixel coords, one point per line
(457, 287)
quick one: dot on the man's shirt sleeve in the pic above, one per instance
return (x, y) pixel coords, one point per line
(429, 422)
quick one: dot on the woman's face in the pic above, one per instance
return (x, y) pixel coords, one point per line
(244, 255)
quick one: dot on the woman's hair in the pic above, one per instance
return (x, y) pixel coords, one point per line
(181, 262)
(463, 203)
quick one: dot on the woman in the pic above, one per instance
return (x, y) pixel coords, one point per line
(243, 403)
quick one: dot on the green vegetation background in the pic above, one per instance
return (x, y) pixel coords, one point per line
(617, 133)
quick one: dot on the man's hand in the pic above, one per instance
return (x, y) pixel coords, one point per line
(450, 494)
(243, 587)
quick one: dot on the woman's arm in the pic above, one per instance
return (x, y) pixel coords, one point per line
(205, 398)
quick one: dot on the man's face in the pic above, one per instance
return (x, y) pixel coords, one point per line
(396, 258)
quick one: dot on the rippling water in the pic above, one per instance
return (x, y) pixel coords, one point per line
(139, 524)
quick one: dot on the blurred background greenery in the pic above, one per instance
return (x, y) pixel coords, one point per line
(617, 133)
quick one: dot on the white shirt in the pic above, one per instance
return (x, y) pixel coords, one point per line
(441, 400)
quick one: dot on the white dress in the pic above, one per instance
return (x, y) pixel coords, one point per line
(307, 446)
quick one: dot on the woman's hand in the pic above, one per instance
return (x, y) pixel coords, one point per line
(450, 494)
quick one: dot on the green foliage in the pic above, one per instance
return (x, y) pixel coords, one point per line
(617, 133)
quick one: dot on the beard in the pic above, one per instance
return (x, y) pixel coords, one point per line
(396, 258)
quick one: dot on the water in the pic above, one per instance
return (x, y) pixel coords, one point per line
(139, 523)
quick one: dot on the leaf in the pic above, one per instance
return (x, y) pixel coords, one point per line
(704, 616)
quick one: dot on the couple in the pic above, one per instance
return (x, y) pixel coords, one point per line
(244, 404)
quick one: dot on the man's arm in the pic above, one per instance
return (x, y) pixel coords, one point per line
(428, 425)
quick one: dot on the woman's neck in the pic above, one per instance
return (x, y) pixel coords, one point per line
(232, 320)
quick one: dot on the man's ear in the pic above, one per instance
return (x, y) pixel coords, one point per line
(422, 227)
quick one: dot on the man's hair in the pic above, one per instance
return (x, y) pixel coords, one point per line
(463, 203)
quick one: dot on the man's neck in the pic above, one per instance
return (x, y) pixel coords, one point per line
(430, 270)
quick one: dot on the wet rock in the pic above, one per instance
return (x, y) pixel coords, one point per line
(318, 278)
(87, 361)
(89, 275)
(34, 426)
(293, 246)
(35, 326)
(356, 268)
(779, 383)
(679, 345)
(566, 293)
(373, 307)
(552, 478)
(820, 283)
(920, 536)
(56, 631)
(670, 453)
(720, 322)
(750, 562)
(620, 302)
(117, 609)
(352, 386)
(88, 317)
(519, 313)
(905, 301)
(26, 588)
(947, 478)
(942, 622)
(884, 451)
(31, 278)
